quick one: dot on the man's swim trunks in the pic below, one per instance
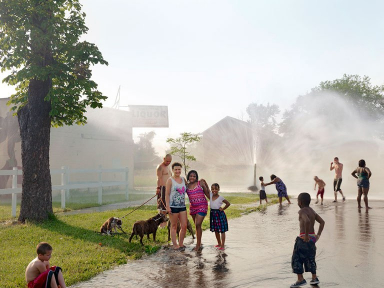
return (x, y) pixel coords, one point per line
(336, 184)
(304, 253)
(161, 199)
(321, 193)
(44, 279)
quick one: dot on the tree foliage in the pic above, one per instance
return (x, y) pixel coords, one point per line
(355, 90)
(263, 116)
(359, 91)
(40, 39)
(180, 145)
(50, 66)
(144, 150)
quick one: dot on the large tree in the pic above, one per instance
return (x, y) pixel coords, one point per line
(144, 150)
(50, 66)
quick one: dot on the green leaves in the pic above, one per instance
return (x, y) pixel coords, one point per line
(179, 147)
(40, 39)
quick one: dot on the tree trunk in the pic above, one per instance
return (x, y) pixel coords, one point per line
(35, 128)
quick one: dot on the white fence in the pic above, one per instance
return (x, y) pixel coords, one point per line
(66, 185)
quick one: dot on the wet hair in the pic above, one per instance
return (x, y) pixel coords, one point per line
(273, 176)
(176, 164)
(362, 163)
(336, 158)
(193, 172)
(216, 186)
(305, 198)
(261, 178)
(43, 248)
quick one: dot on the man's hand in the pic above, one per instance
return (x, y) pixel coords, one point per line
(306, 238)
(158, 190)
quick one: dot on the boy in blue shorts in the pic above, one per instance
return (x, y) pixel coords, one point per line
(304, 251)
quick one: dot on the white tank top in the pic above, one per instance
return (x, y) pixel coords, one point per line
(177, 197)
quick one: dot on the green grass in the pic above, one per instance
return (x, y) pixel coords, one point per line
(80, 251)
(77, 201)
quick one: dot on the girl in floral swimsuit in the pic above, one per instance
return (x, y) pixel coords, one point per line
(362, 174)
(197, 192)
(280, 187)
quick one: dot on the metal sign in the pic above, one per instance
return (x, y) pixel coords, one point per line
(149, 116)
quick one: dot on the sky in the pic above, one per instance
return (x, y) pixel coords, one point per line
(208, 59)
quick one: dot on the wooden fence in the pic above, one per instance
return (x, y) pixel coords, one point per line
(66, 186)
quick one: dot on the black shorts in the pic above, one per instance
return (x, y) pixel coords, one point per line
(263, 195)
(304, 253)
(161, 199)
(337, 184)
(175, 210)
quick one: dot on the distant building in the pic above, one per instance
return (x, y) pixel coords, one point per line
(106, 140)
(230, 149)
(228, 142)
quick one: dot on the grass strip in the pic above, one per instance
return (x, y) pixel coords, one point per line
(80, 251)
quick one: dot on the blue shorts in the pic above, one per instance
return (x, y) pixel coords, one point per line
(202, 214)
(178, 210)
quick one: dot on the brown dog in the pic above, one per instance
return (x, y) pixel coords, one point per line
(189, 228)
(147, 227)
(111, 223)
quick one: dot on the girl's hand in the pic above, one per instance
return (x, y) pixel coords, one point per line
(169, 211)
(221, 209)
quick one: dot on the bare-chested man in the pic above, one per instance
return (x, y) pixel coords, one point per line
(163, 172)
(338, 177)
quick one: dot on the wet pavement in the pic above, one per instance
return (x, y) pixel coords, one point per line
(258, 253)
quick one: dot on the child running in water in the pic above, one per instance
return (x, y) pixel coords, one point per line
(218, 219)
(321, 184)
(263, 195)
(304, 251)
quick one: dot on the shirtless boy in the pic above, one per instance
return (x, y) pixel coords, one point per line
(304, 251)
(321, 184)
(338, 177)
(163, 172)
(39, 274)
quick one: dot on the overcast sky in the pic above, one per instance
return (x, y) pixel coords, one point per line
(209, 59)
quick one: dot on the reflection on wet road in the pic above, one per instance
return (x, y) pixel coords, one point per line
(258, 253)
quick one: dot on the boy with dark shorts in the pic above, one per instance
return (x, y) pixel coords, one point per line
(304, 251)
(262, 193)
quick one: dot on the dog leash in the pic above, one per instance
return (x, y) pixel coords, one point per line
(139, 206)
